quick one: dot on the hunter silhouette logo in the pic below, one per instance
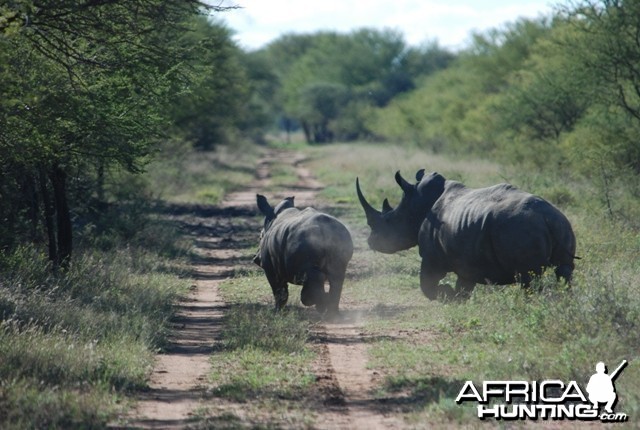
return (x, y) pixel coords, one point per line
(548, 399)
(600, 386)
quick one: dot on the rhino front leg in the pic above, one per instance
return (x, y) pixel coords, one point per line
(313, 290)
(430, 283)
(280, 294)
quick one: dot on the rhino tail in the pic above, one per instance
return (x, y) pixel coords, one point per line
(563, 252)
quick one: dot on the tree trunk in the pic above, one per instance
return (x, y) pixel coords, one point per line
(100, 182)
(30, 197)
(307, 132)
(63, 216)
(48, 217)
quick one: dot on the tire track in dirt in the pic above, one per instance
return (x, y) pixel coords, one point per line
(178, 383)
(177, 388)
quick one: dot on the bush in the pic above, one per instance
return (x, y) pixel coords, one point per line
(70, 339)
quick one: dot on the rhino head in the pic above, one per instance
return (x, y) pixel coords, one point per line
(396, 229)
(270, 214)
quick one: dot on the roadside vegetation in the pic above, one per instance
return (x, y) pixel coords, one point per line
(73, 342)
(181, 175)
(89, 270)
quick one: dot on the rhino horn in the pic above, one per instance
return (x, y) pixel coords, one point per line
(406, 186)
(386, 207)
(372, 215)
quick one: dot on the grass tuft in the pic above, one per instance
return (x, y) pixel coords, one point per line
(263, 356)
(257, 326)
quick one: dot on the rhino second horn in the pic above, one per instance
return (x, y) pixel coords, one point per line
(406, 186)
(386, 207)
(372, 214)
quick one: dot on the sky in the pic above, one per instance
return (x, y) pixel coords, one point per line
(450, 22)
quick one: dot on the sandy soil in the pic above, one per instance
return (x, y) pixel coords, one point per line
(178, 383)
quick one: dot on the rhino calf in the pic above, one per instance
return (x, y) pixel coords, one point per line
(303, 247)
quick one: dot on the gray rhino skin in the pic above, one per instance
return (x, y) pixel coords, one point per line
(495, 235)
(303, 247)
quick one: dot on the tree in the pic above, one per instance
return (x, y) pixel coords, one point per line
(321, 103)
(605, 44)
(214, 104)
(373, 66)
(86, 87)
(455, 108)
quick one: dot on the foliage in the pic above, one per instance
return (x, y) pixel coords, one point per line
(212, 107)
(320, 103)
(327, 81)
(559, 92)
(454, 109)
(89, 88)
(178, 174)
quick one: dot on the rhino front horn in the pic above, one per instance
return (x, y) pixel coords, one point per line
(372, 214)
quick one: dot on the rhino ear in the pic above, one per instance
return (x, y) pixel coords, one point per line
(431, 186)
(264, 206)
(285, 204)
(419, 175)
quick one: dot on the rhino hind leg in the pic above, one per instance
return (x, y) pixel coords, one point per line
(564, 271)
(464, 288)
(313, 290)
(335, 291)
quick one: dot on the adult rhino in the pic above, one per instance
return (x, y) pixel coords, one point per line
(303, 247)
(495, 235)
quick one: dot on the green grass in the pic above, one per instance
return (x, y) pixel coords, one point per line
(281, 176)
(426, 350)
(264, 357)
(26, 404)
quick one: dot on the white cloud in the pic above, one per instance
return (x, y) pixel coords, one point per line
(261, 21)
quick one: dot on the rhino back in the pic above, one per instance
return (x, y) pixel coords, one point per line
(299, 240)
(491, 234)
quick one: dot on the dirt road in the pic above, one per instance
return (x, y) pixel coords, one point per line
(178, 384)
